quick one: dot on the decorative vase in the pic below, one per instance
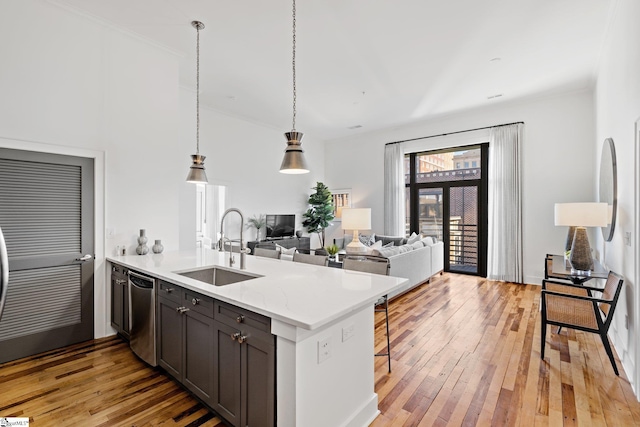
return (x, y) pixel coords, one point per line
(142, 248)
(157, 248)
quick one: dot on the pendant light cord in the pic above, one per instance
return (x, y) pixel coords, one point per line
(293, 127)
(198, 90)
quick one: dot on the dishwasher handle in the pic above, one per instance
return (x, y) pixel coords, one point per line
(140, 281)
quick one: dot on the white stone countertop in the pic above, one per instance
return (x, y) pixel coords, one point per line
(302, 295)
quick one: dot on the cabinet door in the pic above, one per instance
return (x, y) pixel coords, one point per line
(226, 358)
(258, 381)
(117, 298)
(199, 355)
(170, 334)
(125, 309)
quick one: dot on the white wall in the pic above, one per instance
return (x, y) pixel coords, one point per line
(72, 82)
(74, 85)
(558, 163)
(617, 109)
(246, 158)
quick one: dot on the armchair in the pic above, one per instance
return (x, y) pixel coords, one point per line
(567, 305)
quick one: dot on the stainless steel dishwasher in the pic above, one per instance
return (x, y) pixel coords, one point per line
(142, 316)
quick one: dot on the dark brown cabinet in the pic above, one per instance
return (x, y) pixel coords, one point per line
(223, 354)
(120, 300)
(244, 367)
(185, 338)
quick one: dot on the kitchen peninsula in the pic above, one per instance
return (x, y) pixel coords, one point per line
(322, 320)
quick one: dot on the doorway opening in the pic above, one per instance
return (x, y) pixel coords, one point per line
(446, 197)
(210, 205)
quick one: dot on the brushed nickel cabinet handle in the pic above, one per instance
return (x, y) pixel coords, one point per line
(240, 319)
(235, 336)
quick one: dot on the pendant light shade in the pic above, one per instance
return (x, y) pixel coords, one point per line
(293, 162)
(197, 174)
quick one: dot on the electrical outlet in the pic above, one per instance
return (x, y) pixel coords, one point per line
(324, 349)
(348, 332)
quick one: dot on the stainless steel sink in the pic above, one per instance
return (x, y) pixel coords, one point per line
(217, 276)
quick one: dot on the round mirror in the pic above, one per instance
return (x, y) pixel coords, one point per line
(608, 186)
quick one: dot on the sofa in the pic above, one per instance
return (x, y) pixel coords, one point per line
(416, 258)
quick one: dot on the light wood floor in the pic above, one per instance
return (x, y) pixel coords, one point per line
(465, 352)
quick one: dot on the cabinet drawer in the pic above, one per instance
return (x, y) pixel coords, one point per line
(118, 270)
(198, 302)
(240, 318)
(170, 291)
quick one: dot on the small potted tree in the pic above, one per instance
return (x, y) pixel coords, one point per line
(320, 214)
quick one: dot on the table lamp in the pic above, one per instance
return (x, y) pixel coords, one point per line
(578, 216)
(356, 219)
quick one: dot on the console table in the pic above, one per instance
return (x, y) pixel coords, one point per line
(300, 243)
(560, 269)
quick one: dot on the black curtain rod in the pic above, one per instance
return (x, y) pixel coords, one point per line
(453, 133)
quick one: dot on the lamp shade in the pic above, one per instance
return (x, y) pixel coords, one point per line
(356, 219)
(581, 214)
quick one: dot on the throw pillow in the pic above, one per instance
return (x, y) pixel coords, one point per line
(417, 245)
(413, 238)
(405, 248)
(429, 241)
(285, 251)
(289, 251)
(386, 252)
(366, 239)
(377, 245)
(388, 245)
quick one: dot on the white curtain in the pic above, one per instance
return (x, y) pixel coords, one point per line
(394, 189)
(504, 252)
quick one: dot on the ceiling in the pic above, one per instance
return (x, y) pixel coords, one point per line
(374, 64)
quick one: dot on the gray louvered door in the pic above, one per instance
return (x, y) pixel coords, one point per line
(46, 215)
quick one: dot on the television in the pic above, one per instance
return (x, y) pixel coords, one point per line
(281, 226)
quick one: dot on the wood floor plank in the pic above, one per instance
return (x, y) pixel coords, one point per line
(465, 352)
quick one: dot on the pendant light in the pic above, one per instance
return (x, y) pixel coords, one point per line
(293, 162)
(197, 174)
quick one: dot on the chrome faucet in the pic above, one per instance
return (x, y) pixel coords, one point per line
(243, 250)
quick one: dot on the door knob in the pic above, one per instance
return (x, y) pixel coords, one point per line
(85, 258)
